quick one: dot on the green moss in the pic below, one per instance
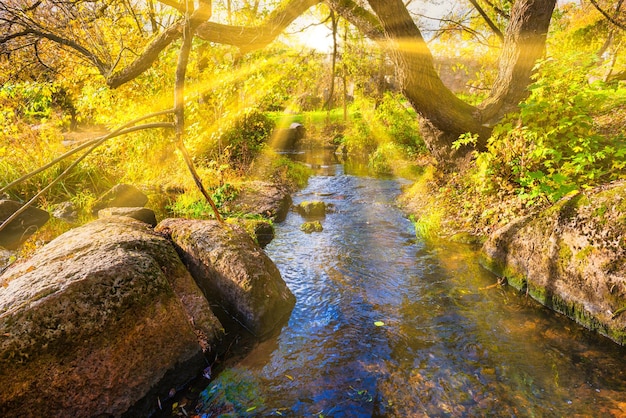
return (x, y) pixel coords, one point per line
(309, 227)
(539, 293)
(584, 253)
(565, 254)
(513, 277)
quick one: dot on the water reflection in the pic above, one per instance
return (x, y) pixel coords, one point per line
(451, 343)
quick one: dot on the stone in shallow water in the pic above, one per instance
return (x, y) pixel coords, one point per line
(311, 208)
(310, 227)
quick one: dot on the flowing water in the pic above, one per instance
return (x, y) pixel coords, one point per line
(388, 325)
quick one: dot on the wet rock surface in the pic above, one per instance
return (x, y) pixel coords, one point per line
(313, 208)
(310, 227)
(571, 257)
(233, 271)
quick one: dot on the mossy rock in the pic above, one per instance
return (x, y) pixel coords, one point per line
(571, 257)
(312, 208)
(310, 227)
(261, 230)
(108, 310)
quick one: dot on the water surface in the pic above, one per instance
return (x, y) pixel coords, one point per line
(388, 325)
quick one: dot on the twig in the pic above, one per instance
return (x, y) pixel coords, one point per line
(119, 131)
(95, 145)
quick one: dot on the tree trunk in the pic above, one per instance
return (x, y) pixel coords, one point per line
(444, 116)
(524, 44)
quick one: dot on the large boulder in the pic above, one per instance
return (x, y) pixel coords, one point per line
(233, 271)
(268, 200)
(21, 227)
(571, 257)
(103, 318)
(120, 195)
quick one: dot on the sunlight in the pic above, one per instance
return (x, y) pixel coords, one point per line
(318, 38)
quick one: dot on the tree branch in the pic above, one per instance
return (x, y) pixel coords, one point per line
(248, 38)
(146, 58)
(179, 112)
(487, 20)
(61, 41)
(119, 131)
(94, 145)
(359, 17)
(524, 44)
(609, 17)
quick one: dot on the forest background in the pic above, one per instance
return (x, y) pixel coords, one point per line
(258, 66)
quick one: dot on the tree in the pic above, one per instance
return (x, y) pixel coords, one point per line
(443, 115)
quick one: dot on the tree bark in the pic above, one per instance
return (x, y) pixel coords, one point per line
(245, 38)
(444, 116)
(524, 44)
(250, 38)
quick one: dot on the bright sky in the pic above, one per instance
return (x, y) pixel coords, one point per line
(319, 37)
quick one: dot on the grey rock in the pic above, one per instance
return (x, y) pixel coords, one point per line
(141, 214)
(121, 195)
(66, 211)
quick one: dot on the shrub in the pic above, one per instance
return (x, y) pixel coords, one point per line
(552, 146)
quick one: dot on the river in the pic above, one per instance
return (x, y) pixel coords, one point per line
(386, 324)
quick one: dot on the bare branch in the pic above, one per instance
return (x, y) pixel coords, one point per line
(248, 38)
(179, 112)
(146, 58)
(487, 19)
(95, 145)
(498, 10)
(608, 17)
(119, 131)
(61, 41)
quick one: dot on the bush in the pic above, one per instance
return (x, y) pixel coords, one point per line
(552, 146)
(240, 141)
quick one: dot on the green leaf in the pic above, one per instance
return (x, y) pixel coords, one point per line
(379, 323)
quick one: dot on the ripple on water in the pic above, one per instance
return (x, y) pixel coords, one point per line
(451, 344)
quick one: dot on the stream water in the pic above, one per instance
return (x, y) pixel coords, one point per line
(388, 325)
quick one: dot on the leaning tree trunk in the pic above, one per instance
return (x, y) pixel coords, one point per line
(524, 44)
(444, 116)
